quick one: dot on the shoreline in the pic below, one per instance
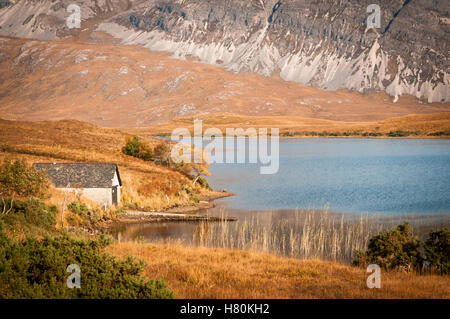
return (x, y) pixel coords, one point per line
(281, 135)
(201, 272)
(172, 215)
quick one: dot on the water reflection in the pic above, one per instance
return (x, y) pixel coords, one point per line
(360, 186)
(294, 233)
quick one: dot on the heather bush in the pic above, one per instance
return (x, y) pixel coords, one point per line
(36, 268)
(399, 250)
(132, 146)
(437, 251)
(82, 214)
(30, 216)
(204, 183)
(394, 249)
(17, 179)
(145, 152)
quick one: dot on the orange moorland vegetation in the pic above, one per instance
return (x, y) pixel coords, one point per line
(223, 273)
(74, 141)
(199, 272)
(422, 125)
(92, 79)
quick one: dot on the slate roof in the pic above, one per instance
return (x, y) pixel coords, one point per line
(80, 175)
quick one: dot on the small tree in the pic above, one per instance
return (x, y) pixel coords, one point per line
(132, 146)
(145, 152)
(437, 251)
(162, 153)
(20, 180)
(393, 249)
(36, 268)
(199, 169)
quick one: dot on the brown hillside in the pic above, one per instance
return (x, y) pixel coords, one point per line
(223, 273)
(94, 80)
(421, 125)
(146, 185)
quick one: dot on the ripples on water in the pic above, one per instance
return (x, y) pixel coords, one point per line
(394, 176)
(362, 185)
(302, 234)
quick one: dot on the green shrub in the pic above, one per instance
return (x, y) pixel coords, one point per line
(398, 133)
(37, 269)
(136, 148)
(393, 250)
(30, 214)
(437, 251)
(145, 152)
(78, 208)
(20, 180)
(372, 134)
(132, 146)
(399, 250)
(86, 215)
(204, 183)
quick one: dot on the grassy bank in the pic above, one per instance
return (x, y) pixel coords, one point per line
(34, 255)
(309, 234)
(411, 126)
(190, 272)
(34, 260)
(359, 133)
(224, 273)
(146, 185)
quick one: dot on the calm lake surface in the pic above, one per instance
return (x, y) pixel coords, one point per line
(392, 176)
(327, 193)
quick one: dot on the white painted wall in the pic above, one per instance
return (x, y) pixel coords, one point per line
(115, 182)
(102, 196)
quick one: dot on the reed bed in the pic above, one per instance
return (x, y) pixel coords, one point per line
(308, 234)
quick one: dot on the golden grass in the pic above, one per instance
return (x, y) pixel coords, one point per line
(74, 141)
(47, 84)
(222, 273)
(309, 234)
(424, 124)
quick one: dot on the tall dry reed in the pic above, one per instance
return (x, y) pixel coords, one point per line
(307, 234)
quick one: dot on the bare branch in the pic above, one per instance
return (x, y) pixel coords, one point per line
(12, 204)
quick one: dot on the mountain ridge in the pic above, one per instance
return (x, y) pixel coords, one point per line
(129, 86)
(320, 43)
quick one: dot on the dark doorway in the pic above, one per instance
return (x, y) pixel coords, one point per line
(114, 195)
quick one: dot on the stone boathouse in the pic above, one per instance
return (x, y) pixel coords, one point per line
(99, 182)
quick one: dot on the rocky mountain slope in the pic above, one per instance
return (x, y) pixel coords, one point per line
(323, 43)
(113, 85)
(320, 43)
(46, 19)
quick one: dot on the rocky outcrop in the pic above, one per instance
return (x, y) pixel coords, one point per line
(5, 3)
(324, 43)
(46, 20)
